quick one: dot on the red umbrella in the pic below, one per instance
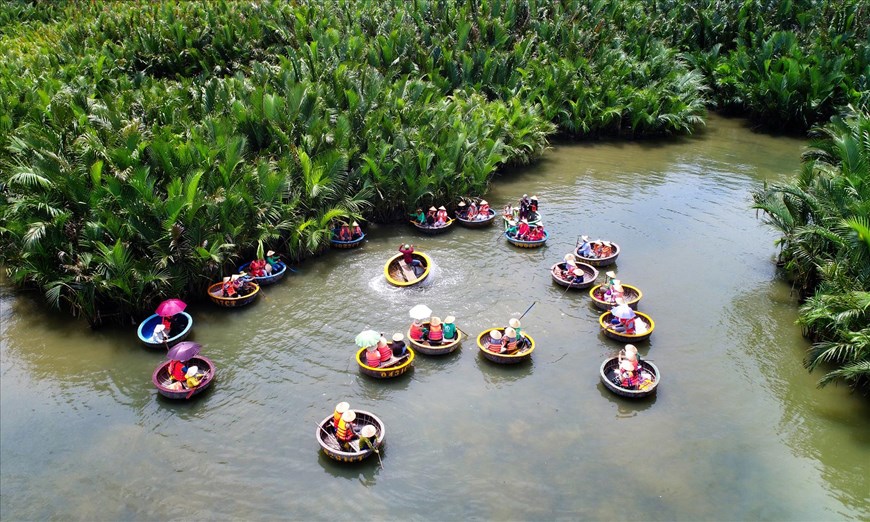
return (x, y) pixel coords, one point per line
(171, 307)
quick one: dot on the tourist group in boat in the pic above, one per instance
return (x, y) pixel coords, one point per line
(349, 435)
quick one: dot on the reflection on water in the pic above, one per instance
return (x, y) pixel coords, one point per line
(737, 429)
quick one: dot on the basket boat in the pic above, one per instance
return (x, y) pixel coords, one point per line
(477, 223)
(354, 243)
(329, 444)
(400, 274)
(608, 369)
(181, 320)
(527, 244)
(589, 275)
(270, 279)
(431, 349)
(388, 372)
(504, 358)
(604, 321)
(599, 261)
(216, 295)
(632, 297)
(161, 380)
(432, 231)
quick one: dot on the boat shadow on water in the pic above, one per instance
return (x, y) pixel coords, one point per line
(626, 407)
(500, 374)
(365, 471)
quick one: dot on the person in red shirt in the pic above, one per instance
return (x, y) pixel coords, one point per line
(407, 250)
(177, 371)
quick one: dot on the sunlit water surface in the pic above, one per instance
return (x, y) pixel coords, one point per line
(737, 429)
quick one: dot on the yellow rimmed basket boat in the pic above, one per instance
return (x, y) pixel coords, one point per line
(519, 356)
(632, 297)
(330, 446)
(608, 330)
(599, 261)
(589, 275)
(650, 378)
(215, 293)
(432, 349)
(400, 274)
(405, 363)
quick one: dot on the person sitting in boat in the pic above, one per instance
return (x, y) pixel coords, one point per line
(585, 248)
(602, 249)
(436, 332)
(461, 210)
(626, 326)
(340, 408)
(449, 328)
(617, 292)
(516, 325)
(430, 217)
(271, 261)
(509, 340)
(192, 377)
(398, 346)
(160, 334)
(417, 331)
(441, 217)
(419, 216)
(373, 356)
(240, 283)
(576, 275)
(256, 268)
(344, 232)
(177, 369)
(472, 211)
(512, 230)
(367, 438)
(483, 212)
(384, 351)
(536, 233)
(609, 277)
(345, 431)
(629, 365)
(533, 204)
(493, 344)
(414, 264)
(523, 230)
(228, 288)
(355, 231)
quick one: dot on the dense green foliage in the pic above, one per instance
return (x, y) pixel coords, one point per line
(788, 64)
(824, 217)
(147, 147)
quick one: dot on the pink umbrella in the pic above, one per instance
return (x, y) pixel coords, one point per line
(171, 307)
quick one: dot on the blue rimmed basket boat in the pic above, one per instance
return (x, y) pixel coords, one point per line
(270, 279)
(146, 329)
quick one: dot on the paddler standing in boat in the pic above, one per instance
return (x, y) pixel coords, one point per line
(407, 250)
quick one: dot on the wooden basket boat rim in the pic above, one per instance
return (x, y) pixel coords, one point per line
(648, 364)
(232, 299)
(524, 242)
(202, 385)
(352, 241)
(440, 346)
(268, 277)
(450, 221)
(594, 270)
(627, 301)
(380, 439)
(379, 369)
(491, 217)
(646, 318)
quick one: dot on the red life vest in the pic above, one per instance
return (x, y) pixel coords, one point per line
(176, 371)
(436, 333)
(335, 418)
(629, 325)
(416, 332)
(344, 233)
(523, 230)
(229, 288)
(373, 358)
(167, 325)
(386, 352)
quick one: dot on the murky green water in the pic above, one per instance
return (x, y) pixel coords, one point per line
(736, 431)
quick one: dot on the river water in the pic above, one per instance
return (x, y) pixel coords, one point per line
(737, 429)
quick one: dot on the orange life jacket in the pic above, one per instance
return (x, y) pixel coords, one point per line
(436, 333)
(343, 432)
